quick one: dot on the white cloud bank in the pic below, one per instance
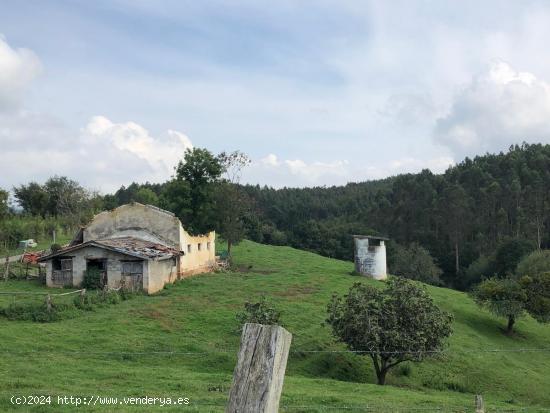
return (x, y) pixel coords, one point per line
(18, 67)
(272, 171)
(497, 109)
(103, 155)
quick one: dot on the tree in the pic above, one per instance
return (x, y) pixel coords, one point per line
(200, 169)
(33, 198)
(392, 325)
(537, 291)
(504, 297)
(416, 263)
(510, 253)
(232, 203)
(535, 263)
(4, 207)
(146, 196)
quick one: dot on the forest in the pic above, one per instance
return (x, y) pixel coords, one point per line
(475, 220)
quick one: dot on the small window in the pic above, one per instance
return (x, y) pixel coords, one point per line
(132, 268)
(189, 248)
(208, 245)
(199, 245)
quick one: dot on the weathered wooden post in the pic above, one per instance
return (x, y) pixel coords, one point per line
(479, 404)
(49, 303)
(7, 270)
(82, 293)
(260, 370)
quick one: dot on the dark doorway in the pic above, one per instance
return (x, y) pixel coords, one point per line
(98, 267)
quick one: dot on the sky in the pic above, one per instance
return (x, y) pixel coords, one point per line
(315, 92)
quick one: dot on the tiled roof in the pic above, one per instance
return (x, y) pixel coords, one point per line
(132, 246)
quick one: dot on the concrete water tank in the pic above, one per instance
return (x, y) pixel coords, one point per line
(370, 256)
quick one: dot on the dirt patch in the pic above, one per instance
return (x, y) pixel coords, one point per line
(251, 269)
(161, 316)
(296, 290)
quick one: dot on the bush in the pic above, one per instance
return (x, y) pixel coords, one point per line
(482, 267)
(535, 263)
(92, 279)
(261, 312)
(55, 247)
(510, 253)
(416, 263)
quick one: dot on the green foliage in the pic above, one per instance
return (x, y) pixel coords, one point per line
(55, 247)
(416, 263)
(260, 312)
(504, 297)
(392, 325)
(232, 206)
(200, 169)
(482, 267)
(59, 196)
(92, 279)
(509, 254)
(537, 291)
(146, 196)
(4, 207)
(535, 263)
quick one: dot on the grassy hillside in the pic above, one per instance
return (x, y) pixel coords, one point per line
(82, 356)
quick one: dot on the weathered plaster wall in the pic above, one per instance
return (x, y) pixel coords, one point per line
(197, 260)
(370, 260)
(114, 265)
(137, 220)
(158, 274)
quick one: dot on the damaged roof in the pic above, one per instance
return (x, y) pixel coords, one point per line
(132, 246)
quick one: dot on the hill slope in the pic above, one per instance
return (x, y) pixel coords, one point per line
(82, 356)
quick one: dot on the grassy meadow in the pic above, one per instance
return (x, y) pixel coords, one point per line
(119, 350)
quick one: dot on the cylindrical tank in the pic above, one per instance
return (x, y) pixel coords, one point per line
(370, 256)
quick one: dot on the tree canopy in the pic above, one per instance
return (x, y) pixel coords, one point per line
(391, 325)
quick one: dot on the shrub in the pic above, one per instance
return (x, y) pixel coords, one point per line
(261, 312)
(55, 247)
(416, 263)
(535, 263)
(92, 279)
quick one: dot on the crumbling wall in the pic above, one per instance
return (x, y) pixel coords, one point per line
(135, 220)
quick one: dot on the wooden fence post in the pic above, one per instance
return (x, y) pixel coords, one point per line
(49, 303)
(82, 293)
(260, 370)
(479, 404)
(7, 270)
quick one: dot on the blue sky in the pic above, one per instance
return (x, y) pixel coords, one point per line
(316, 92)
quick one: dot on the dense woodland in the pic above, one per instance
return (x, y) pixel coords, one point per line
(465, 218)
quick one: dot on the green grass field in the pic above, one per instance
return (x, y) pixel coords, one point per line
(91, 354)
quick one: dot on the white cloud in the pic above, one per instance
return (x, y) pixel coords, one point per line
(18, 67)
(497, 109)
(104, 155)
(270, 170)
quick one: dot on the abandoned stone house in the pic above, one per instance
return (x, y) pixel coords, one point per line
(134, 246)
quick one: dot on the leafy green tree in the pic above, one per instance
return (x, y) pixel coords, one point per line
(537, 290)
(200, 169)
(504, 297)
(33, 198)
(4, 207)
(392, 325)
(175, 196)
(232, 203)
(146, 196)
(535, 263)
(510, 253)
(416, 263)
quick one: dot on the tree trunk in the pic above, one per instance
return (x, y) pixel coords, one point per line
(381, 375)
(510, 326)
(457, 261)
(229, 248)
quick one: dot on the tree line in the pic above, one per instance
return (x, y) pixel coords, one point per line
(460, 226)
